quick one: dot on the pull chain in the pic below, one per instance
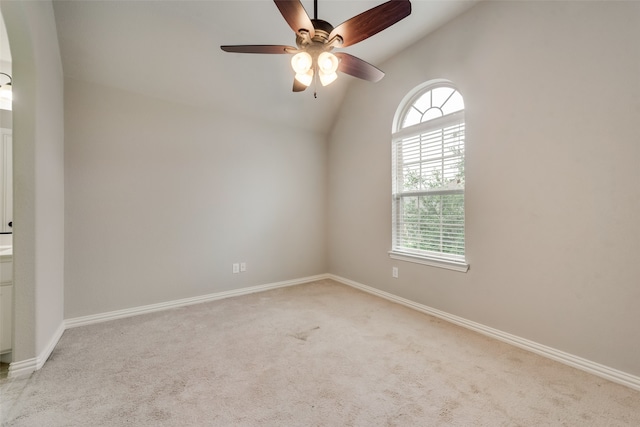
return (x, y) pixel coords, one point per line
(315, 83)
(315, 77)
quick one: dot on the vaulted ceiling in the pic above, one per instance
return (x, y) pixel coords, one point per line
(171, 50)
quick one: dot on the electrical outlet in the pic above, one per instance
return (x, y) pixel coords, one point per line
(243, 267)
(236, 268)
(394, 272)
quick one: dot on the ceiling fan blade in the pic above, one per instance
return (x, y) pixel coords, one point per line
(356, 67)
(296, 16)
(371, 22)
(297, 86)
(259, 48)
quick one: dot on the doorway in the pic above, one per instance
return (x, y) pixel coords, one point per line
(6, 203)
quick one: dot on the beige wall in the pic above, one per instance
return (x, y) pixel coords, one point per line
(552, 92)
(162, 198)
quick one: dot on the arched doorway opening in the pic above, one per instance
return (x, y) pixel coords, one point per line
(6, 204)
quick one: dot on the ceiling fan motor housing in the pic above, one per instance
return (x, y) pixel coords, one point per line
(320, 41)
(322, 29)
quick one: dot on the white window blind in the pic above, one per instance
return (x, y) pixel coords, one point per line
(428, 177)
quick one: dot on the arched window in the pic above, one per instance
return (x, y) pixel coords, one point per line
(428, 177)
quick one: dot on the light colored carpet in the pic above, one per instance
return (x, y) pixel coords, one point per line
(320, 354)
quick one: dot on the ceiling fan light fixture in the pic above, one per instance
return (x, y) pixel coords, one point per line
(327, 78)
(312, 59)
(306, 78)
(327, 67)
(301, 63)
(327, 63)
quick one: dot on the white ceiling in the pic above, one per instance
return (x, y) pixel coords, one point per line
(171, 49)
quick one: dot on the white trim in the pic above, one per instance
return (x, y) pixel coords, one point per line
(27, 367)
(449, 264)
(6, 179)
(594, 368)
(22, 368)
(451, 119)
(412, 95)
(44, 355)
(134, 311)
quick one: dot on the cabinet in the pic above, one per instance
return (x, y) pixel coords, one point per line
(6, 302)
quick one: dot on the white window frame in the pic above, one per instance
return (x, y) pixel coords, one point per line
(454, 262)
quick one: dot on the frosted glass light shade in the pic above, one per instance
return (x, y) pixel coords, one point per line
(327, 63)
(305, 78)
(327, 67)
(301, 62)
(326, 79)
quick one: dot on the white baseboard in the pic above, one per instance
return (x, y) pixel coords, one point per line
(119, 314)
(26, 367)
(22, 368)
(594, 368)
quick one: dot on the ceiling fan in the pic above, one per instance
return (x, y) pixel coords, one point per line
(315, 39)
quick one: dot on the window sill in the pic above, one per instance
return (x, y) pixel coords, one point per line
(449, 264)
